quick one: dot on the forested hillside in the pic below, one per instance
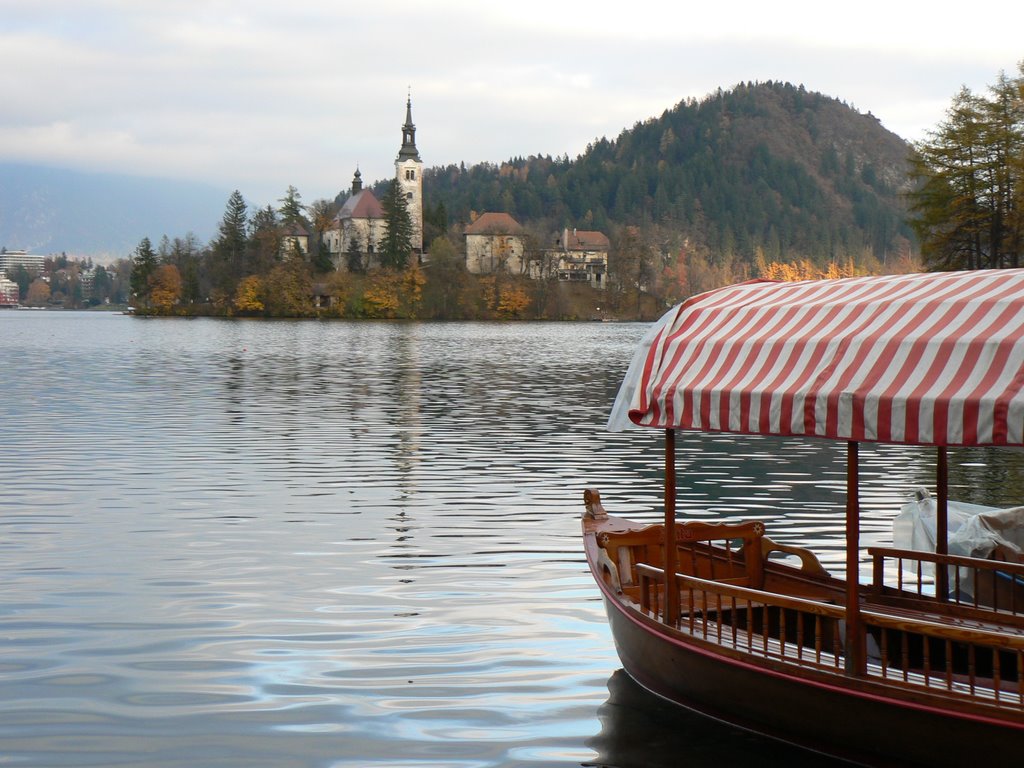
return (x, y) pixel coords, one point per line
(763, 170)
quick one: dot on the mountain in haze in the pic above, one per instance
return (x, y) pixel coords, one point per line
(47, 210)
(767, 166)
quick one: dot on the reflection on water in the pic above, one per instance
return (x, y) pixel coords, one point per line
(638, 729)
(344, 544)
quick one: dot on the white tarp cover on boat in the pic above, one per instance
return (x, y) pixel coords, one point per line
(924, 359)
(972, 530)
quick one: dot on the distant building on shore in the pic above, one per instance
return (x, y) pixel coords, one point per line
(495, 242)
(581, 256)
(295, 235)
(8, 292)
(11, 259)
(358, 227)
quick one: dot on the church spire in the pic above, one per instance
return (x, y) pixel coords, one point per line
(408, 150)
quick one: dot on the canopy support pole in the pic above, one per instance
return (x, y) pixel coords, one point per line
(942, 523)
(671, 591)
(856, 661)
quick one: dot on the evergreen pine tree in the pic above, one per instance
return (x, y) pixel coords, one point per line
(228, 252)
(322, 258)
(355, 255)
(967, 200)
(144, 264)
(396, 246)
(264, 241)
(291, 206)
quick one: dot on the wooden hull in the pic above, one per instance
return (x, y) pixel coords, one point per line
(832, 714)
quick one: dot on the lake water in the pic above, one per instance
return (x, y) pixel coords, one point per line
(250, 543)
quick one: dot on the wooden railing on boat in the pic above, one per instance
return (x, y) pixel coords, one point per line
(996, 586)
(763, 623)
(976, 664)
(727, 553)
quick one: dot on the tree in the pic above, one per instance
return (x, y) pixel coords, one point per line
(411, 292)
(288, 289)
(144, 264)
(435, 222)
(101, 285)
(23, 277)
(249, 295)
(446, 280)
(38, 293)
(322, 214)
(967, 205)
(354, 256)
(185, 254)
(396, 246)
(265, 241)
(512, 299)
(339, 291)
(165, 288)
(322, 258)
(291, 206)
(632, 265)
(382, 294)
(229, 248)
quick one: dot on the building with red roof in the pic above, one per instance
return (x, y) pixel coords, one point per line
(495, 242)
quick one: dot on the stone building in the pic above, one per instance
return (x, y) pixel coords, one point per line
(295, 235)
(358, 226)
(495, 242)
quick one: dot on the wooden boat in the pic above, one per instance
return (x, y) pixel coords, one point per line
(707, 616)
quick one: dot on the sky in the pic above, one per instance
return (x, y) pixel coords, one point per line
(257, 95)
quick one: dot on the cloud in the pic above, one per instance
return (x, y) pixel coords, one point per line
(259, 95)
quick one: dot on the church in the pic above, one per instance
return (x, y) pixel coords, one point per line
(359, 226)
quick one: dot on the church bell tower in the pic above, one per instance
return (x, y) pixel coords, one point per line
(409, 172)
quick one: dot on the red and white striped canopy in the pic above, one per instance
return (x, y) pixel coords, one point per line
(926, 359)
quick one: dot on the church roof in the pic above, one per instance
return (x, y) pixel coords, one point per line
(494, 224)
(363, 205)
(408, 150)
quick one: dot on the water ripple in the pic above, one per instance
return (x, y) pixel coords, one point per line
(339, 544)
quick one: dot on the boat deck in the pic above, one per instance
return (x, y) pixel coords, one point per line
(795, 618)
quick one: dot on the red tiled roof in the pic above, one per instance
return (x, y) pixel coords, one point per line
(363, 205)
(494, 224)
(586, 240)
(296, 229)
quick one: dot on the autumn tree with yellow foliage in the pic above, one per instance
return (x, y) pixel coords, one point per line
(513, 300)
(393, 294)
(249, 296)
(805, 270)
(164, 288)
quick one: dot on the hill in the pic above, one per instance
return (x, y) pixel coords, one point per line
(48, 210)
(767, 166)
